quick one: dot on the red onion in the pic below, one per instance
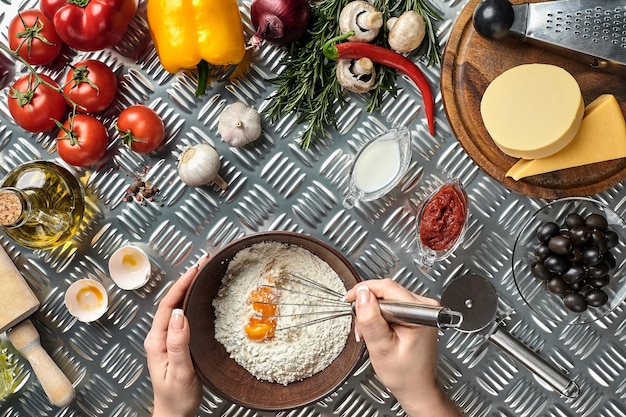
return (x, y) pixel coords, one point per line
(280, 22)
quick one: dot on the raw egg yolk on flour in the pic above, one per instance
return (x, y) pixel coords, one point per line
(262, 325)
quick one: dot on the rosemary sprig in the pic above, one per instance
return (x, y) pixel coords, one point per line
(307, 84)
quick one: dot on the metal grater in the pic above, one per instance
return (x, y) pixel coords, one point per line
(591, 31)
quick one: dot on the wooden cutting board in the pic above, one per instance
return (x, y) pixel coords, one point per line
(17, 300)
(17, 303)
(471, 62)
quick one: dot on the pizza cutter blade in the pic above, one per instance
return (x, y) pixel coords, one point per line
(476, 299)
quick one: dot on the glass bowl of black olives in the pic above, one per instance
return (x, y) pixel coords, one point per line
(568, 261)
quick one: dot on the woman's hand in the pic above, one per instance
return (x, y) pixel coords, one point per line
(403, 357)
(177, 389)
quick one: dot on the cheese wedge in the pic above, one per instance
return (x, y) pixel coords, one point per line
(532, 110)
(601, 137)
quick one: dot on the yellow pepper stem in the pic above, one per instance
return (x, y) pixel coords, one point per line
(203, 77)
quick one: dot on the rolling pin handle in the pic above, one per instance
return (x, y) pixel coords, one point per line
(25, 338)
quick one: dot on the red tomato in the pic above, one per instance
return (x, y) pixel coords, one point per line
(35, 106)
(141, 128)
(90, 84)
(32, 35)
(82, 141)
(90, 25)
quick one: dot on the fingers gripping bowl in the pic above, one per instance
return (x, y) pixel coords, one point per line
(563, 267)
(223, 374)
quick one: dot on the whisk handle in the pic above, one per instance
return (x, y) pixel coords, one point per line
(419, 314)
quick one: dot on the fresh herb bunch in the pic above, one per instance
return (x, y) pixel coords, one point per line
(307, 85)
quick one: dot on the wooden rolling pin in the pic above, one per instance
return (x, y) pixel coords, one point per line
(17, 302)
(25, 338)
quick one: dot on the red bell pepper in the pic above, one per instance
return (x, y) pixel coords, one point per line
(387, 57)
(90, 25)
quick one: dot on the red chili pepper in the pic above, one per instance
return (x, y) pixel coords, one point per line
(90, 25)
(387, 57)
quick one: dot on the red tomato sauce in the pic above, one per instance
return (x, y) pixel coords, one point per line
(443, 218)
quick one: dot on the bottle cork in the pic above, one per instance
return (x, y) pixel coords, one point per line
(11, 208)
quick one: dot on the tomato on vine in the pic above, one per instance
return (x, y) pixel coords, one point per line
(33, 36)
(141, 128)
(82, 140)
(35, 102)
(90, 84)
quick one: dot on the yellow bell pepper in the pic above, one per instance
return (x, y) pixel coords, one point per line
(192, 33)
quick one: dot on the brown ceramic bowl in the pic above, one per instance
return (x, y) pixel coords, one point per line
(228, 379)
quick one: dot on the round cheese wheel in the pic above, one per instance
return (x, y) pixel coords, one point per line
(532, 110)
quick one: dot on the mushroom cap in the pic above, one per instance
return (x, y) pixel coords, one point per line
(407, 32)
(362, 18)
(358, 76)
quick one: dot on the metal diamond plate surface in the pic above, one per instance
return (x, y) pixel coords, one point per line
(275, 185)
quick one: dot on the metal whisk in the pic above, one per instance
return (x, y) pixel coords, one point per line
(326, 304)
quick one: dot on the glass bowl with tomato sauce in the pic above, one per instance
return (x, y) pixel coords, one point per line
(441, 222)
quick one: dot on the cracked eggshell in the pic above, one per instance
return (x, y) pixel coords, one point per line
(129, 267)
(87, 300)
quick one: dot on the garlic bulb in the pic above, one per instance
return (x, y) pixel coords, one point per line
(200, 165)
(239, 124)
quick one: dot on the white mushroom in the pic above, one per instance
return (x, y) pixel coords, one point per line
(358, 76)
(406, 32)
(362, 18)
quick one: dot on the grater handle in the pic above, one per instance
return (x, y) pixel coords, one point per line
(493, 19)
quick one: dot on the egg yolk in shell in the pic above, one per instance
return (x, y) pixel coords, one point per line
(261, 326)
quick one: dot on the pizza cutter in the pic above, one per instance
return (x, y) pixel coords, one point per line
(589, 31)
(475, 298)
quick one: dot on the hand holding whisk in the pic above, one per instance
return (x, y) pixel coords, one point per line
(325, 304)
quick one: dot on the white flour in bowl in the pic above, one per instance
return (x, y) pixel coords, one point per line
(292, 354)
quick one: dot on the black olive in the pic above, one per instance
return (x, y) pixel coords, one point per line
(575, 302)
(576, 286)
(599, 282)
(575, 255)
(542, 251)
(574, 219)
(596, 221)
(556, 263)
(599, 239)
(596, 297)
(592, 255)
(556, 285)
(539, 271)
(560, 245)
(547, 230)
(493, 18)
(575, 273)
(612, 238)
(579, 235)
(599, 270)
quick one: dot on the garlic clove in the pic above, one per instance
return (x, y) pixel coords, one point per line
(239, 124)
(199, 165)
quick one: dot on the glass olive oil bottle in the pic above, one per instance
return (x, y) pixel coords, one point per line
(41, 205)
